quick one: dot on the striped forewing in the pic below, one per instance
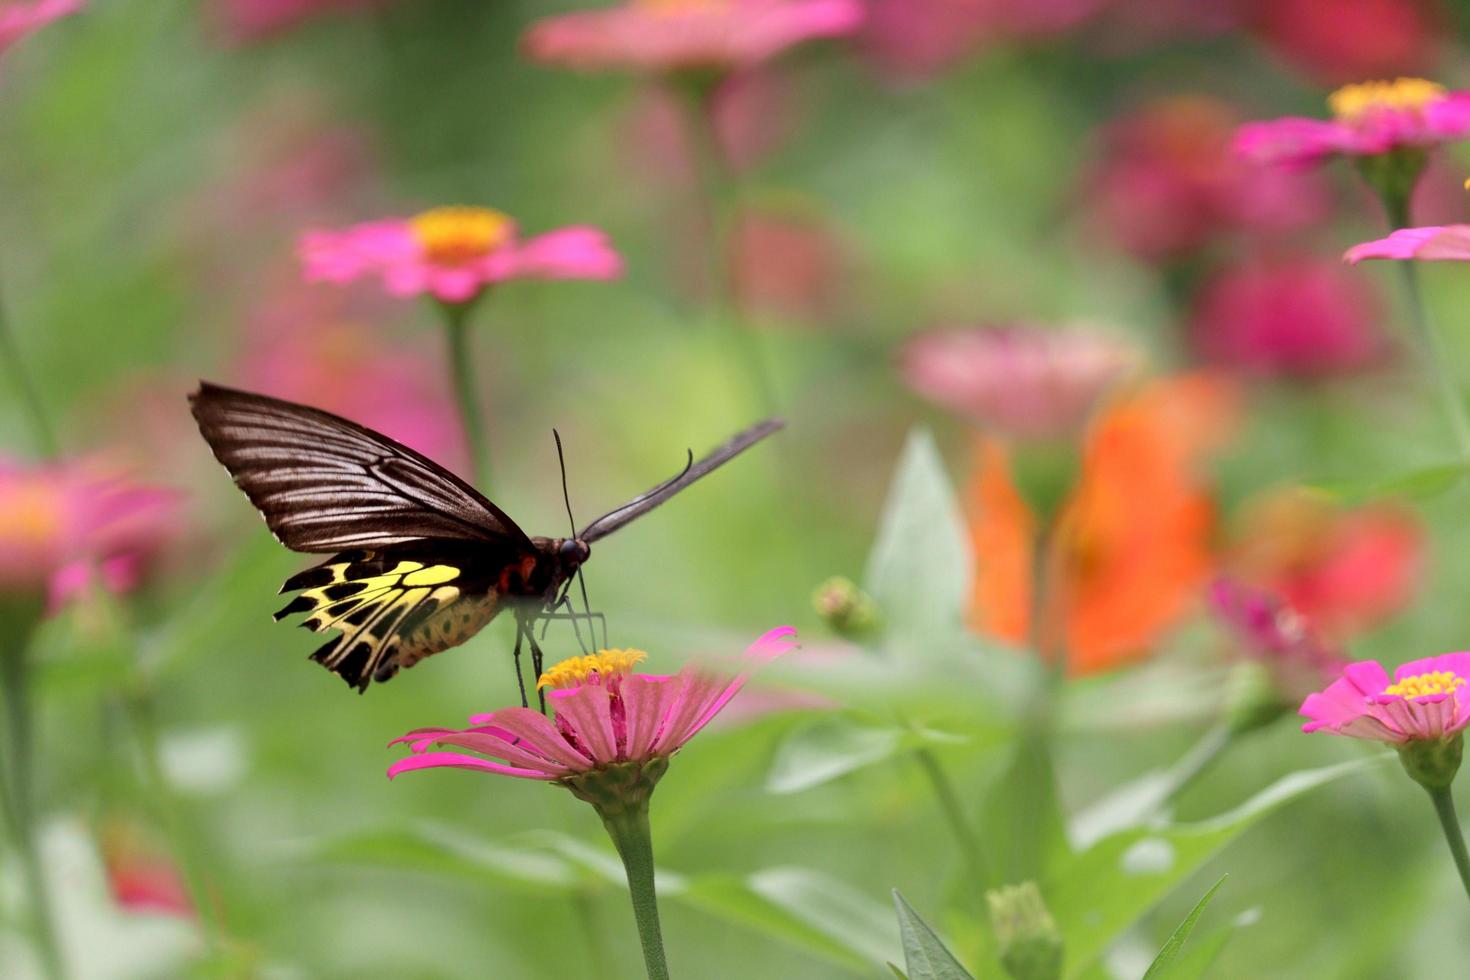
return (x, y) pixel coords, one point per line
(325, 484)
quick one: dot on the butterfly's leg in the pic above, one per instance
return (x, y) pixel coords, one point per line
(536, 667)
(520, 679)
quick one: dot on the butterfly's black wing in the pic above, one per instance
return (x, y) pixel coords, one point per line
(645, 502)
(326, 484)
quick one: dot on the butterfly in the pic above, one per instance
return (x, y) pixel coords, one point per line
(420, 560)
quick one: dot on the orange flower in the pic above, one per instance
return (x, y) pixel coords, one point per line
(1344, 570)
(1131, 549)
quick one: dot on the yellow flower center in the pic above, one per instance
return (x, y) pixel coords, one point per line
(1420, 685)
(578, 670)
(453, 235)
(30, 515)
(1352, 102)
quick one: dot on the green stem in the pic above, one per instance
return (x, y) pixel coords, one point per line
(15, 682)
(1444, 808)
(140, 708)
(1194, 763)
(719, 192)
(954, 815)
(630, 833)
(42, 431)
(1396, 206)
(466, 395)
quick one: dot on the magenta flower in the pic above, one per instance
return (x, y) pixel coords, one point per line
(603, 715)
(66, 527)
(1021, 381)
(1370, 119)
(1424, 701)
(678, 35)
(1298, 317)
(1433, 243)
(21, 18)
(454, 253)
(1275, 635)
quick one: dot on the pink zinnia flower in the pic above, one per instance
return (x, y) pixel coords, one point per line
(1350, 39)
(1166, 182)
(1433, 243)
(679, 35)
(1297, 317)
(1425, 701)
(603, 715)
(1022, 382)
(65, 527)
(454, 253)
(1275, 635)
(1370, 119)
(19, 19)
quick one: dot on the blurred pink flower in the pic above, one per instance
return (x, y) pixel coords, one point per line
(305, 346)
(17, 19)
(143, 879)
(1352, 39)
(1297, 317)
(1269, 631)
(1021, 381)
(1371, 118)
(254, 20)
(679, 35)
(454, 253)
(916, 39)
(1166, 182)
(1343, 569)
(603, 715)
(1425, 701)
(68, 526)
(788, 261)
(1433, 243)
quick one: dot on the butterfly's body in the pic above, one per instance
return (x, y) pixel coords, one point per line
(420, 560)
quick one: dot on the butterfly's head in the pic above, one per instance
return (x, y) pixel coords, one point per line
(572, 552)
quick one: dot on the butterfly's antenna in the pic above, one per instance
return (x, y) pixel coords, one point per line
(566, 497)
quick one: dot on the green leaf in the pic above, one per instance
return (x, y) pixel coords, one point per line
(1022, 823)
(1420, 484)
(926, 957)
(920, 567)
(1105, 889)
(827, 749)
(1164, 964)
(802, 907)
(440, 849)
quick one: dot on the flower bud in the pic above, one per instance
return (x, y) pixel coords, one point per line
(1030, 943)
(847, 609)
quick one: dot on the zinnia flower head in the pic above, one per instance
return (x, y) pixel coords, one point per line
(1275, 635)
(1370, 119)
(1350, 39)
(1289, 317)
(660, 36)
(1166, 183)
(17, 19)
(67, 526)
(1019, 382)
(1426, 700)
(605, 718)
(1344, 569)
(454, 253)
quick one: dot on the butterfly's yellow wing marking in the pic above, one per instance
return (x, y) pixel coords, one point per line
(390, 613)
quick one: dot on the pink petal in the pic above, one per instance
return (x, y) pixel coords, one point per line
(1431, 243)
(568, 253)
(541, 736)
(454, 760)
(647, 699)
(586, 710)
(1292, 142)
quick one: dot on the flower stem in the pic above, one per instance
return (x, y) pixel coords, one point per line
(1444, 808)
(954, 814)
(466, 396)
(628, 827)
(19, 790)
(719, 192)
(42, 431)
(1396, 206)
